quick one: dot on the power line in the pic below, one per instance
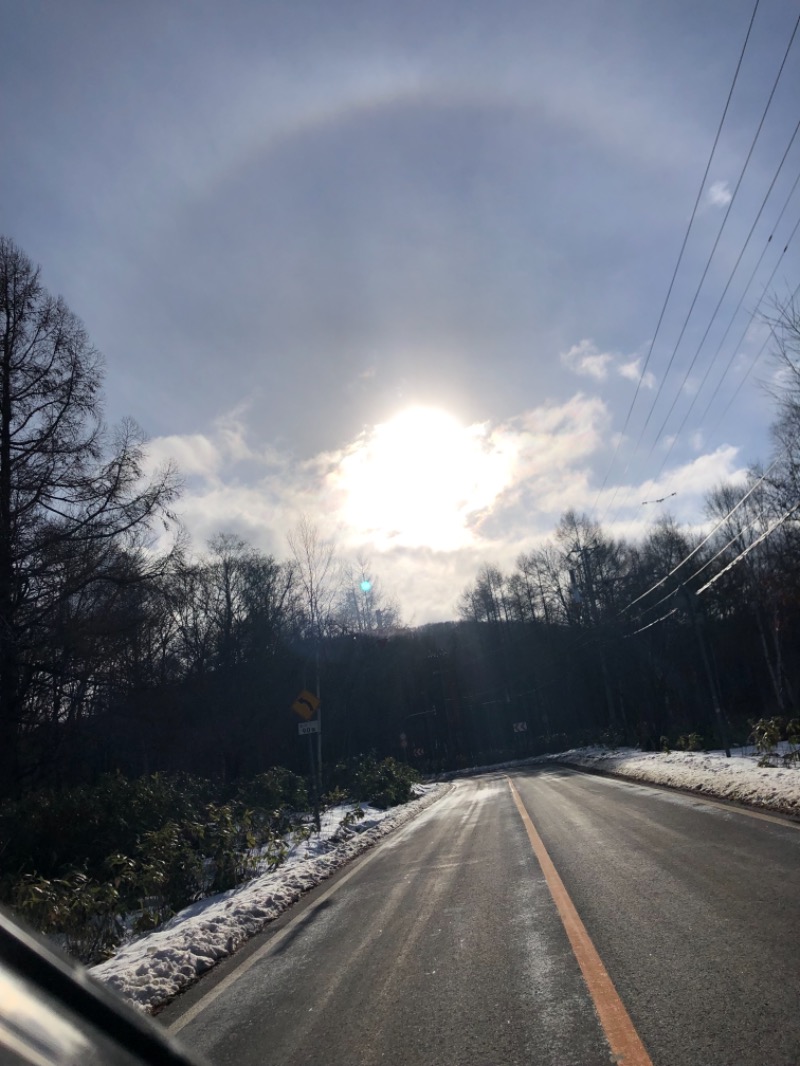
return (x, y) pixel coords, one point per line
(752, 366)
(650, 625)
(705, 566)
(719, 304)
(775, 525)
(753, 314)
(682, 250)
(706, 269)
(703, 542)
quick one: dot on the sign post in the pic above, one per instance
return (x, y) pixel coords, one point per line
(308, 707)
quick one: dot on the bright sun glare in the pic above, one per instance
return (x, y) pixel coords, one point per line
(417, 479)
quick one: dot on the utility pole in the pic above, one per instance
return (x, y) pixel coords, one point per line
(722, 728)
(586, 567)
(319, 739)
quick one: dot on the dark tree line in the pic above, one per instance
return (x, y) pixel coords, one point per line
(116, 656)
(636, 642)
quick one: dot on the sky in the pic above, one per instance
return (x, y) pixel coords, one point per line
(400, 268)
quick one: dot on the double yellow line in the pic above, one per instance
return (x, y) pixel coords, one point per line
(626, 1046)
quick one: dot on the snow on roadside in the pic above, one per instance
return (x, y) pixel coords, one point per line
(153, 969)
(740, 778)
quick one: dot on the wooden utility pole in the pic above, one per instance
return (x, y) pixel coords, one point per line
(722, 727)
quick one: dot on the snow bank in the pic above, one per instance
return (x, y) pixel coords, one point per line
(740, 778)
(154, 968)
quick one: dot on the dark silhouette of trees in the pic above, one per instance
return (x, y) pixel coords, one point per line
(113, 656)
(75, 514)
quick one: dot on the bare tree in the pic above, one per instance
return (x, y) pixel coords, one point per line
(318, 575)
(75, 508)
(363, 605)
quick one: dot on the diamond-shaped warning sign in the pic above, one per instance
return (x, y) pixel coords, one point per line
(306, 705)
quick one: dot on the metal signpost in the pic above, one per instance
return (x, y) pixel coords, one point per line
(309, 707)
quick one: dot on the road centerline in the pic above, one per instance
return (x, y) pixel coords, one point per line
(623, 1039)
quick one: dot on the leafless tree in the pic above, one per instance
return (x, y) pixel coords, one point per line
(75, 508)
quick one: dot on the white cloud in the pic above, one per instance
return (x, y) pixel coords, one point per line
(587, 360)
(195, 454)
(680, 491)
(493, 492)
(632, 372)
(718, 194)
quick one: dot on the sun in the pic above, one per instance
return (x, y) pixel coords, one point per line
(420, 479)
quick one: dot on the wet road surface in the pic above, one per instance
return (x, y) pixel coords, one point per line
(444, 945)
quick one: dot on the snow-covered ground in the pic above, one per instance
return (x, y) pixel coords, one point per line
(740, 778)
(152, 969)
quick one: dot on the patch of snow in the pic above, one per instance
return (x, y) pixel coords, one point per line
(154, 968)
(710, 773)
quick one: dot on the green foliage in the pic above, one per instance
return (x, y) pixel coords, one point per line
(690, 742)
(665, 744)
(793, 739)
(83, 914)
(169, 870)
(383, 784)
(338, 797)
(52, 831)
(75, 861)
(228, 840)
(767, 733)
(274, 790)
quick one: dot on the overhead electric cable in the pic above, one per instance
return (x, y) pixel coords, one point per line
(694, 359)
(650, 625)
(778, 522)
(728, 365)
(680, 254)
(700, 569)
(753, 313)
(705, 271)
(754, 363)
(705, 540)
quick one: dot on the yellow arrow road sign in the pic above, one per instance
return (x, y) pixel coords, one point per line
(306, 705)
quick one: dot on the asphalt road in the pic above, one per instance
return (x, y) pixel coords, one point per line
(444, 945)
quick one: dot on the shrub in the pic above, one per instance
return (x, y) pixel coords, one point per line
(765, 735)
(383, 784)
(690, 742)
(75, 861)
(793, 738)
(81, 913)
(52, 832)
(277, 791)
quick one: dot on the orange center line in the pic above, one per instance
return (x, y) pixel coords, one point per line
(624, 1041)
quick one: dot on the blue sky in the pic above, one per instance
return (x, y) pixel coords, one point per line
(291, 226)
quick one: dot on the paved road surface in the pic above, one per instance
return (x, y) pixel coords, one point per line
(444, 945)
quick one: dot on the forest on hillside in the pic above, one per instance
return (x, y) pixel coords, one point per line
(118, 657)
